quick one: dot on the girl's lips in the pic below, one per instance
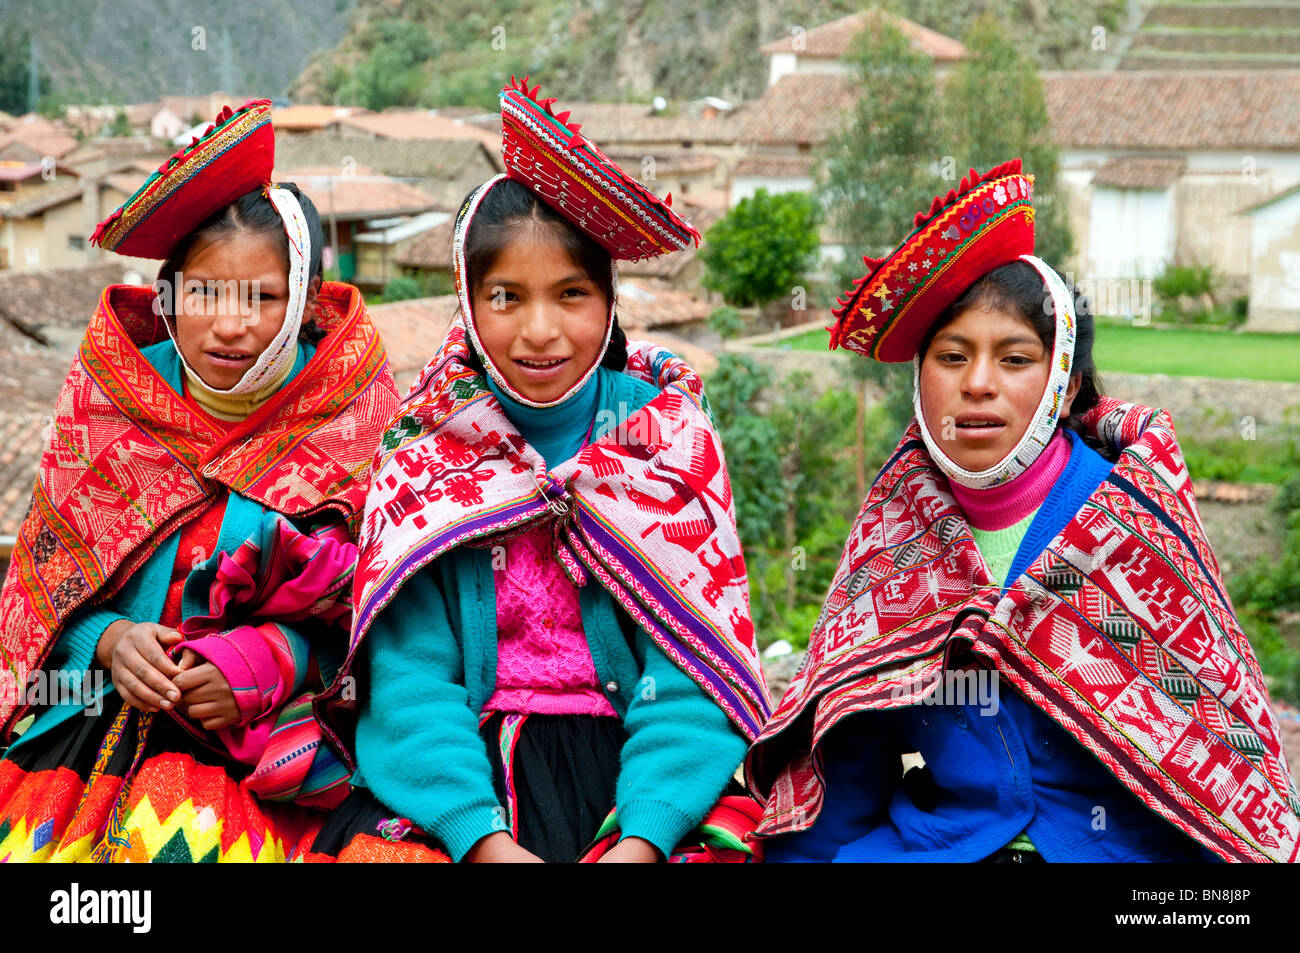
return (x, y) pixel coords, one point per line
(542, 372)
(221, 360)
(989, 432)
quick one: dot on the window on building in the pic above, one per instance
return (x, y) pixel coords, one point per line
(7, 186)
(76, 243)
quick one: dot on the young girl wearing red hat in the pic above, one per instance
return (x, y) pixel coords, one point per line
(551, 592)
(1027, 604)
(179, 592)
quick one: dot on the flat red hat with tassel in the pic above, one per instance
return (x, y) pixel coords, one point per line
(987, 222)
(546, 152)
(233, 157)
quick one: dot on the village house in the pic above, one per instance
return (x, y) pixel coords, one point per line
(350, 200)
(1158, 165)
(445, 169)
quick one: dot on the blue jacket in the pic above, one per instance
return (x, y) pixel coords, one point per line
(995, 767)
(432, 657)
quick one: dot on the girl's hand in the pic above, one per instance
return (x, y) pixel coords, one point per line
(500, 848)
(631, 850)
(135, 655)
(205, 694)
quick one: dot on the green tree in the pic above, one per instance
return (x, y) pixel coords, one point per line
(761, 249)
(120, 126)
(15, 65)
(883, 166)
(995, 111)
(392, 74)
(403, 288)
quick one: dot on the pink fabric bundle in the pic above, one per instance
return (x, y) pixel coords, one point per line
(267, 597)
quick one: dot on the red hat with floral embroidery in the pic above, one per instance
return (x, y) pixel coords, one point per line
(546, 152)
(233, 157)
(986, 222)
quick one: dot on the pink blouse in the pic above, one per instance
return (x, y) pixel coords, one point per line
(544, 666)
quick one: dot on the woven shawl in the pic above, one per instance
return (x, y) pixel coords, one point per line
(646, 511)
(129, 462)
(1121, 631)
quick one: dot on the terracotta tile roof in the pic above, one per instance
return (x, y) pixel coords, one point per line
(1145, 110)
(418, 124)
(774, 167)
(126, 182)
(405, 159)
(17, 170)
(357, 193)
(648, 303)
(38, 135)
(666, 161)
(22, 441)
(799, 108)
(832, 40)
(55, 297)
(412, 331)
(431, 250)
(46, 198)
(1140, 172)
(306, 116)
(611, 124)
(1176, 110)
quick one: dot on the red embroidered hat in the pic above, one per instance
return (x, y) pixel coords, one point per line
(546, 152)
(232, 158)
(986, 222)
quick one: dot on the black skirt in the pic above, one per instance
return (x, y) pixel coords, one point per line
(555, 778)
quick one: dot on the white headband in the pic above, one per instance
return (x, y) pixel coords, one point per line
(460, 268)
(274, 362)
(1043, 425)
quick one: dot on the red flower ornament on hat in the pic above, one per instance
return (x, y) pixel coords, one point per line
(546, 152)
(986, 222)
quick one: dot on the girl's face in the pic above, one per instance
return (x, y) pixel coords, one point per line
(981, 381)
(539, 316)
(230, 306)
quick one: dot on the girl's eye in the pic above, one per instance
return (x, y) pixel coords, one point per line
(951, 358)
(1017, 360)
(576, 292)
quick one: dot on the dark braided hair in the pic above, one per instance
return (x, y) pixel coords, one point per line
(1019, 289)
(252, 212)
(510, 206)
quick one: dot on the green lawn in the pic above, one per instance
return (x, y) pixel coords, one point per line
(1179, 352)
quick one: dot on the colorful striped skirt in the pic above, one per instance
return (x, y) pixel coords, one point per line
(555, 778)
(123, 786)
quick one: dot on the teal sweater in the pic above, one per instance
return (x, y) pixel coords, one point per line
(432, 656)
(141, 598)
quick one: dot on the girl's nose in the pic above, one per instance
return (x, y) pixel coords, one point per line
(978, 381)
(540, 327)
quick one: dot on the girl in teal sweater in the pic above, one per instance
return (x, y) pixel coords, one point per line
(559, 662)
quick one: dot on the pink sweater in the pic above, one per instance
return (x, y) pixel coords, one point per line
(544, 666)
(1006, 505)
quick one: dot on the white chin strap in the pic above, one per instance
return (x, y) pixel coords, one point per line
(460, 269)
(274, 362)
(1046, 417)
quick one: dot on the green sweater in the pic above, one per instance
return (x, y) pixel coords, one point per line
(432, 657)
